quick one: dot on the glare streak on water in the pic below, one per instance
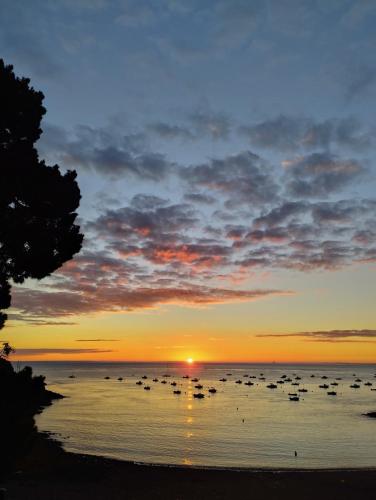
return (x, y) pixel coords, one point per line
(120, 419)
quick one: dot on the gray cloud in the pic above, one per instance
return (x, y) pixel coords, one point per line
(167, 131)
(124, 299)
(126, 222)
(330, 335)
(25, 50)
(97, 340)
(245, 176)
(204, 198)
(104, 151)
(291, 133)
(360, 79)
(214, 125)
(320, 174)
(42, 351)
(202, 123)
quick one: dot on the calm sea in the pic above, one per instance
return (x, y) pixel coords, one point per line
(239, 426)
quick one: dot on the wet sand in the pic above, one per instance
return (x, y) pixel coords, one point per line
(48, 473)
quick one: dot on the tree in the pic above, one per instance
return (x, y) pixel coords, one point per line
(37, 202)
(6, 350)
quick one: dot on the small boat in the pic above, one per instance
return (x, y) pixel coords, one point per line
(212, 390)
(238, 382)
(324, 377)
(107, 378)
(368, 383)
(288, 380)
(245, 375)
(284, 376)
(332, 393)
(166, 375)
(198, 395)
(194, 379)
(248, 383)
(313, 376)
(295, 383)
(173, 383)
(272, 386)
(72, 376)
(223, 379)
(177, 392)
(294, 398)
(120, 378)
(355, 386)
(292, 394)
(229, 374)
(144, 377)
(334, 383)
(163, 382)
(139, 382)
(324, 386)
(358, 380)
(185, 376)
(198, 386)
(298, 378)
(280, 381)
(262, 378)
(302, 390)
(147, 388)
(155, 380)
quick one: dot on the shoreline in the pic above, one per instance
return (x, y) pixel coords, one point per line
(48, 472)
(252, 469)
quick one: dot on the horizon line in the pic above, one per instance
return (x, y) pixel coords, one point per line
(198, 362)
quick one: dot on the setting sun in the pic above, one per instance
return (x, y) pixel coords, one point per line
(189, 361)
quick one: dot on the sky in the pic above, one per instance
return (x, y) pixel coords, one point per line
(225, 153)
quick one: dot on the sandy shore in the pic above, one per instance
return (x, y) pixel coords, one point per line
(48, 473)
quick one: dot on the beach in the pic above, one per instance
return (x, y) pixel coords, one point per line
(47, 472)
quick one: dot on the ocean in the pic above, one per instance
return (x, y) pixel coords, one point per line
(238, 426)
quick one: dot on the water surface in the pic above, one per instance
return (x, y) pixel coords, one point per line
(239, 426)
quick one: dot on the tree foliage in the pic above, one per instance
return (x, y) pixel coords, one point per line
(37, 202)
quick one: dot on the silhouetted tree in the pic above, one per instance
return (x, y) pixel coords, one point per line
(37, 202)
(6, 350)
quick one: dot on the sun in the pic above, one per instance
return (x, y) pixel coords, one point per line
(189, 361)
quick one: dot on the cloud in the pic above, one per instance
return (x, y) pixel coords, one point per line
(154, 221)
(38, 321)
(287, 211)
(97, 340)
(197, 255)
(25, 50)
(329, 335)
(291, 133)
(203, 198)
(202, 123)
(320, 174)
(167, 131)
(147, 202)
(360, 79)
(245, 176)
(104, 151)
(124, 299)
(43, 351)
(215, 125)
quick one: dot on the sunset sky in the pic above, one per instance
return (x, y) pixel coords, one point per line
(225, 153)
